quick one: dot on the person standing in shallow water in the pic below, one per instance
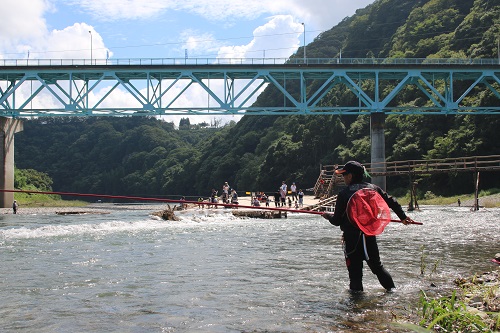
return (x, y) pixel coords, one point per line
(14, 207)
(359, 247)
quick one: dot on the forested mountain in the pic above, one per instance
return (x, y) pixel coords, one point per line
(138, 156)
(129, 156)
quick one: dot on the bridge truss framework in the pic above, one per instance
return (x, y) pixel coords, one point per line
(157, 87)
(154, 88)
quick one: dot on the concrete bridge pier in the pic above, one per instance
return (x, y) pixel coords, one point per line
(8, 127)
(377, 137)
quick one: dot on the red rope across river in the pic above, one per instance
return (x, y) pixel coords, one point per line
(107, 196)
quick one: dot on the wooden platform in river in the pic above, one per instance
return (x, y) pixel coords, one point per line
(259, 214)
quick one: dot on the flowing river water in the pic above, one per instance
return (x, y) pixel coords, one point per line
(212, 272)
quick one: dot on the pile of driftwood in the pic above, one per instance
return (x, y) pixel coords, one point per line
(167, 214)
(260, 214)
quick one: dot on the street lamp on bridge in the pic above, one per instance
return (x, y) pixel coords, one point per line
(304, 41)
(90, 32)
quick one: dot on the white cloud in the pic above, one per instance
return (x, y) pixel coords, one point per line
(24, 30)
(319, 14)
(23, 18)
(74, 42)
(279, 37)
(22, 21)
(271, 40)
(111, 10)
(199, 43)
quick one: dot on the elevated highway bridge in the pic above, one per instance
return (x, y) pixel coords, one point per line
(193, 87)
(60, 87)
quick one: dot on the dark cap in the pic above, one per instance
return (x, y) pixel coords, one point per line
(351, 167)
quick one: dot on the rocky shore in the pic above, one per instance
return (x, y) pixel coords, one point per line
(482, 292)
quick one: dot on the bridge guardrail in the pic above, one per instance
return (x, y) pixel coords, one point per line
(459, 164)
(247, 61)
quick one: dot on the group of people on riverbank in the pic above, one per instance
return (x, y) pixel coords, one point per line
(282, 199)
(228, 196)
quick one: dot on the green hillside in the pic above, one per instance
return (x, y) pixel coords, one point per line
(141, 156)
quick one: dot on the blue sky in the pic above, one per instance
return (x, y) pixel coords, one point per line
(122, 29)
(165, 28)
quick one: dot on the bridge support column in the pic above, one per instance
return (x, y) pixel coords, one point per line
(8, 127)
(377, 126)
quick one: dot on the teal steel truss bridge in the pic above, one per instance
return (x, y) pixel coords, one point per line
(155, 87)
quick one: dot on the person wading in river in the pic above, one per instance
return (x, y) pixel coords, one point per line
(359, 246)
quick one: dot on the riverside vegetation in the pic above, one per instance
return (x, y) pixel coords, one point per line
(472, 306)
(487, 198)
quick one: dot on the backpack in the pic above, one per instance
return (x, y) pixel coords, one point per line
(367, 210)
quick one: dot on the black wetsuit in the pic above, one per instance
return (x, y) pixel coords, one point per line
(353, 239)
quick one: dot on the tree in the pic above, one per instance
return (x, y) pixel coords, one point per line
(30, 179)
(184, 124)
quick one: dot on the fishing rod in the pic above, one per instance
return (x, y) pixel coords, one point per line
(179, 201)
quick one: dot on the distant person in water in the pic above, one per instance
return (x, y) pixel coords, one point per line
(359, 247)
(15, 206)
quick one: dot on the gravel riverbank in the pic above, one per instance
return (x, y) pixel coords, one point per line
(102, 208)
(96, 208)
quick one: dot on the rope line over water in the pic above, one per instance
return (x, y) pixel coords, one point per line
(179, 201)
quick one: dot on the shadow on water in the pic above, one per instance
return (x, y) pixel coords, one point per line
(362, 312)
(369, 311)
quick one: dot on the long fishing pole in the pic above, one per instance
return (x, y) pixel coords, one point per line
(180, 201)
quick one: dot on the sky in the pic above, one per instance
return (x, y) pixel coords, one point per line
(124, 29)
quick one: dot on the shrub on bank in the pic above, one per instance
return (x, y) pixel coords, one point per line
(473, 307)
(44, 200)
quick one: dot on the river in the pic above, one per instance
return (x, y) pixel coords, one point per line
(212, 272)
